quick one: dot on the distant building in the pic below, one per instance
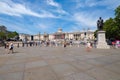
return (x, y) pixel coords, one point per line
(59, 35)
(24, 37)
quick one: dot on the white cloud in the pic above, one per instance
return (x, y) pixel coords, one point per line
(85, 15)
(85, 3)
(85, 19)
(15, 9)
(60, 12)
(110, 4)
(53, 3)
(91, 3)
(42, 26)
(91, 13)
(45, 14)
(57, 6)
(15, 26)
(88, 19)
(19, 29)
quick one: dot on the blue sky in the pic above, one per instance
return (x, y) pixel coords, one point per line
(33, 16)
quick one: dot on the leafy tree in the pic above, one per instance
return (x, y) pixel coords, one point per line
(2, 35)
(117, 20)
(110, 28)
(5, 34)
(3, 28)
(12, 34)
(117, 12)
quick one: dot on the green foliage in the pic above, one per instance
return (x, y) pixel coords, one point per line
(12, 34)
(117, 12)
(3, 28)
(4, 34)
(117, 16)
(112, 25)
(95, 33)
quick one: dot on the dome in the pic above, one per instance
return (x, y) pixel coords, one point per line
(60, 30)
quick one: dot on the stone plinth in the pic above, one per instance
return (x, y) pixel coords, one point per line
(101, 40)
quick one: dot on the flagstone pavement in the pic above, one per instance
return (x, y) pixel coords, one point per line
(58, 63)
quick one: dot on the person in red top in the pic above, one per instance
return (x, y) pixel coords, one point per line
(113, 44)
(88, 47)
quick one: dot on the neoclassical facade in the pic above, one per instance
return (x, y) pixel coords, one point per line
(59, 35)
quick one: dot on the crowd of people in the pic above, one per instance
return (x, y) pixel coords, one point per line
(9, 46)
(56, 43)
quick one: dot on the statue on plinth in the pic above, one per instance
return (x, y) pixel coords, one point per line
(100, 24)
(101, 39)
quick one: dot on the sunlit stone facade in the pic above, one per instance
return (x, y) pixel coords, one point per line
(60, 35)
(25, 37)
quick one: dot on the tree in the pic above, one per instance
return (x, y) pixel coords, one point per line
(2, 35)
(110, 28)
(117, 20)
(112, 25)
(12, 34)
(117, 12)
(3, 28)
(5, 34)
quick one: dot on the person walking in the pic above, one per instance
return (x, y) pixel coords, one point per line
(88, 47)
(65, 44)
(10, 48)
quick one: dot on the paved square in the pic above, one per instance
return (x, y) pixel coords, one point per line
(58, 63)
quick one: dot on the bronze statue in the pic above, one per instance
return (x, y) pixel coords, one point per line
(100, 24)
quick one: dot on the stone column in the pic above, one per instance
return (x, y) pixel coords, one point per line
(101, 40)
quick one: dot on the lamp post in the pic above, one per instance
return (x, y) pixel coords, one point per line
(85, 34)
(85, 39)
(39, 37)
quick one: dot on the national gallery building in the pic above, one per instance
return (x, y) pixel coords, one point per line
(59, 35)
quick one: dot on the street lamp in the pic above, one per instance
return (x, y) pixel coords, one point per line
(85, 39)
(85, 34)
(39, 37)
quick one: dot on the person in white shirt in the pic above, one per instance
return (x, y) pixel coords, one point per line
(10, 48)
